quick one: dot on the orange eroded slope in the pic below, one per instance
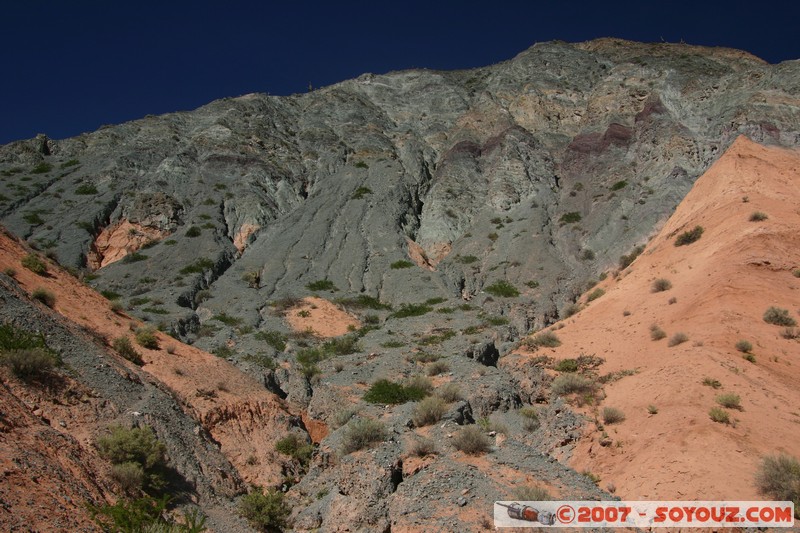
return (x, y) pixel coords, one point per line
(236, 410)
(321, 317)
(723, 283)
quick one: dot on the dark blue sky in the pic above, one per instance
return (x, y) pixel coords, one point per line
(72, 66)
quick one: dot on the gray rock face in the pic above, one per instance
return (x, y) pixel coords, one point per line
(544, 168)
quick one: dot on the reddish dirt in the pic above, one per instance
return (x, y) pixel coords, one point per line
(48, 474)
(722, 284)
(119, 240)
(235, 409)
(240, 240)
(321, 317)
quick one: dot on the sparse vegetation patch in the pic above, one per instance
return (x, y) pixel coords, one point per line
(385, 392)
(545, 339)
(661, 285)
(688, 237)
(361, 433)
(322, 285)
(397, 265)
(779, 317)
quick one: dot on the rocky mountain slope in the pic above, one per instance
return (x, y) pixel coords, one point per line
(445, 214)
(716, 294)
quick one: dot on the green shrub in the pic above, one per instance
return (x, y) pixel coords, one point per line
(466, 259)
(678, 338)
(567, 365)
(199, 266)
(42, 168)
(472, 441)
(401, 264)
(33, 219)
(570, 218)
(409, 310)
(619, 185)
(44, 296)
(296, 448)
(688, 237)
(502, 289)
(360, 433)
(341, 345)
(227, 319)
(424, 357)
(779, 478)
(252, 278)
(363, 301)
(33, 263)
(129, 476)
(790, 333)
(194, 231)
(661, 285)
(496, 320)
(428, 411)
(138, 446)
(749, 357)
(595, 294)
(361, 192)
(361, 164)
(612, 415)
(10, 272)
(146, 338)
(134, 257)
(570, 310)
(29, 363)
(758, 216)
(744, 346)
(652, 409)
(393, 344)
(86, 189)
(384, 391)
(532, 284)
(546, 339)
(322, 285)
(779, 317)
(656, 333)
(143, 514)
(276, 339)
(123, 346)
(572, 383)
(730, 400)
(266, 511)
(720, 415)
(626, 260)
(796, 272)
(110, 295)
(713, 383)
(435, 300)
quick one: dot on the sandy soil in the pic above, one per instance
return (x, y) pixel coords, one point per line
(722, 284)
(321, 317)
